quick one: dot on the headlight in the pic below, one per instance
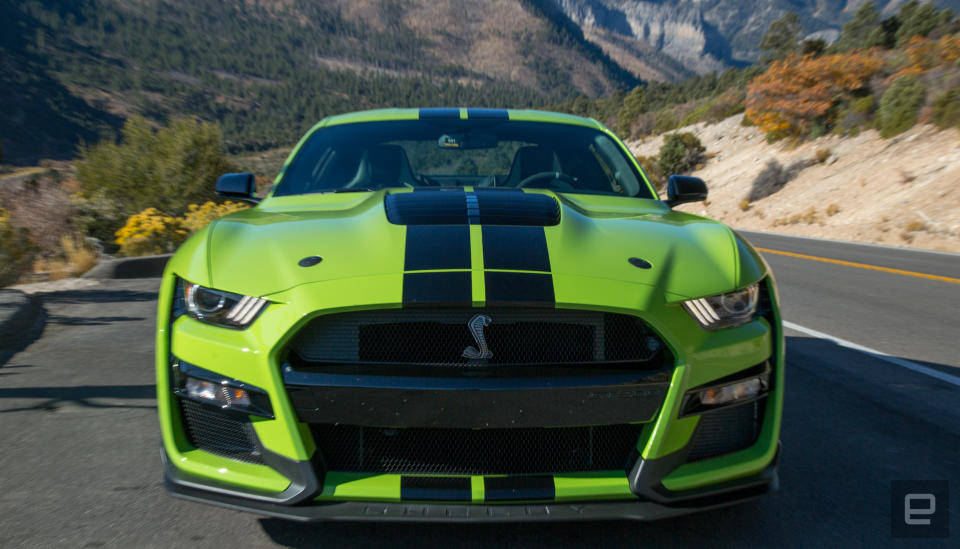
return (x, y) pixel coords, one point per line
(216, 306)
(724, 310)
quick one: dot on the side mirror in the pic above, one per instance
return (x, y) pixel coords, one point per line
(237, 186)
(684, 188)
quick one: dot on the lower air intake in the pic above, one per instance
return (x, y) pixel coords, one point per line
(221, 433)
(476, 451)
(727, 430)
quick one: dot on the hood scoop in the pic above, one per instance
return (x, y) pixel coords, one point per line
(480, 207)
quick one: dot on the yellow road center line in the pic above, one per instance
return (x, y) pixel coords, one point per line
(862, 266)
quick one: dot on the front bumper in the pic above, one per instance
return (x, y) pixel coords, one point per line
(661, 481)
(182, 486)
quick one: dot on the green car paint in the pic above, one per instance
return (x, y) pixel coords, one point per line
(255, 253)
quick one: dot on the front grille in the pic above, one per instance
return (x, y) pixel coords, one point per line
(439, 337)
(218, 432)
(727, 430)
(476, 451)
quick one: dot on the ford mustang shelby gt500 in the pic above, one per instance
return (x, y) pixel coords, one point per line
(467, 314)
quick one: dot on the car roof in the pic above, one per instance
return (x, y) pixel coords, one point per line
(527, 115)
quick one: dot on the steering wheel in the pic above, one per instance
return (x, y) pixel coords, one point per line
(567, 182)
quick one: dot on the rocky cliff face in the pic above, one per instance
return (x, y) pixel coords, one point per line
(676, 29)
(706, 35)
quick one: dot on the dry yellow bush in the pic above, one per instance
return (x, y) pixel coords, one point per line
(198, 217)
(914, 226)
(152, 232)
(77, 256)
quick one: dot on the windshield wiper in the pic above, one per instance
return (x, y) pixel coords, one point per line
(353, 190)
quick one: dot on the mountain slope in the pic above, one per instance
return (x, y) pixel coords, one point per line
(708, 35)
(268, 69)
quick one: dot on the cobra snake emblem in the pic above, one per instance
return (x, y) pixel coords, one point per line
(476, 325)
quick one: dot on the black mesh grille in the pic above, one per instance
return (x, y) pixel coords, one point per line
(514, 336)
(476, 451)
(218, 432)
(725, 431)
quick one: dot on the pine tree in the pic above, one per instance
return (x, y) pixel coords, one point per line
(781, 38)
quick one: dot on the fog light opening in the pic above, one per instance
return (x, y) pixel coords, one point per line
(200, 385)
(220, 394)
(725, 394)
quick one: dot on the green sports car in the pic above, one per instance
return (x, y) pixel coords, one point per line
(467, 314)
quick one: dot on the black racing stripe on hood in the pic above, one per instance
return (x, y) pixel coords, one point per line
(441, 113)
(515, 248)
(503, 207)
(444, 288)
(487, 114)
(437, 247)
(440, 189)
(484, 207)
(518, 488)
(435, 489)
(519, 289)
(426, 208)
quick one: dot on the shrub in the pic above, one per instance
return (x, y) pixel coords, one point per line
(42, 208)
(857, 114)
(649, 166)
(899, 106)
(946, 109)
(796, 93)
(16, 251)
(665, 120)
(77, 255)
(680, 153)
(822, 155)
(198, 217)
(152, 232)
(167, 169)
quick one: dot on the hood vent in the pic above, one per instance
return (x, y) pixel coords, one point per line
(482, 207)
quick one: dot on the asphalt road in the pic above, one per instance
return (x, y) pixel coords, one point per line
(81, 468)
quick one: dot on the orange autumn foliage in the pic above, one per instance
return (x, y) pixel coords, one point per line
(923, 54)
(799, 91)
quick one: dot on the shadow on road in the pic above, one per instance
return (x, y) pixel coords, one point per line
(98, 296)
(91, 321)
(54, 397)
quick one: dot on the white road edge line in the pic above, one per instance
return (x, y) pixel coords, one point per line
(904, 363)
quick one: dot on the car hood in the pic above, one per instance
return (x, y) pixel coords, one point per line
(258, 251)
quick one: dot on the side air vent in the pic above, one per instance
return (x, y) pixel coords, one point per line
(483, 207)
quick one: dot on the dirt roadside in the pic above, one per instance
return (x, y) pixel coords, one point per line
(903, 191)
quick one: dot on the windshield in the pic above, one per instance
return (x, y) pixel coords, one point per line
(456, 153)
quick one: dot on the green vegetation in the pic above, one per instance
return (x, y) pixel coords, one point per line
(680, 153)
(946, 109)
(661, 106)
(916, 19)
(899, 106)
(782, 38)
(16, 251)
(865, 30)
(264, 71)
(168, 169)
